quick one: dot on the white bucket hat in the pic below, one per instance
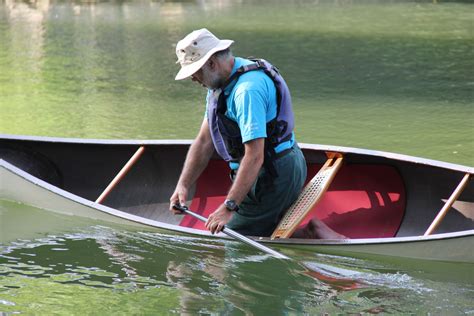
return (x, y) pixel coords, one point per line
(195, 49)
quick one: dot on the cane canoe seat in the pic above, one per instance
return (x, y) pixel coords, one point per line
(311, 195)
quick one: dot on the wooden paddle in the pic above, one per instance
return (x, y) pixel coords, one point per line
(234, 234)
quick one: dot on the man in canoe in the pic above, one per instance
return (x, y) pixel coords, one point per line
(249, 122)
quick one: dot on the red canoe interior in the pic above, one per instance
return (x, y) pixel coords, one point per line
(364, 201)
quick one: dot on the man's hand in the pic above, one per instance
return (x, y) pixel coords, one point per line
(216, 221)
(178, 198)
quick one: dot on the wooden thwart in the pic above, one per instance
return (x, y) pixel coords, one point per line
(311, 195)
(447, 206)
(121, 174)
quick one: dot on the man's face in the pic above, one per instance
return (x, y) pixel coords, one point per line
(207, 77)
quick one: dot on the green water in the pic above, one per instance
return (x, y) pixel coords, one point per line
(385, 75)
(65, 265)
(392, 76)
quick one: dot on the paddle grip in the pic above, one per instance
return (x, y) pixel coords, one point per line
(185, 209)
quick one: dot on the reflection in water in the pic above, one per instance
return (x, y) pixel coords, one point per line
(145, 271)
(26, 39)
(201, 275)
(106, 69)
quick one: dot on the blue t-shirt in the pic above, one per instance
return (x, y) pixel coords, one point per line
(252, 102)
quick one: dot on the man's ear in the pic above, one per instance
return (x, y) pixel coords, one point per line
(212, 63)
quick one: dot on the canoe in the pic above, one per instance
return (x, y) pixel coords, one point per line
(383, 202)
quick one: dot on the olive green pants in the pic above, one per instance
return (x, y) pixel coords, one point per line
(263, 207)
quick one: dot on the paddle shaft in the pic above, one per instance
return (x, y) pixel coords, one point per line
(315, 272)
(236, 235)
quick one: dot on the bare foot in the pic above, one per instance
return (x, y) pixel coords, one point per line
(317, 229)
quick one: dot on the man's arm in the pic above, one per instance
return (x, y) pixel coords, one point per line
(246, 176)
(196, 161)
(248, 170)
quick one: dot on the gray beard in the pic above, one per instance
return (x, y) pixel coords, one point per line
(214, 80)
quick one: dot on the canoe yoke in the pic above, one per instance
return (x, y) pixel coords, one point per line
(309, 197)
